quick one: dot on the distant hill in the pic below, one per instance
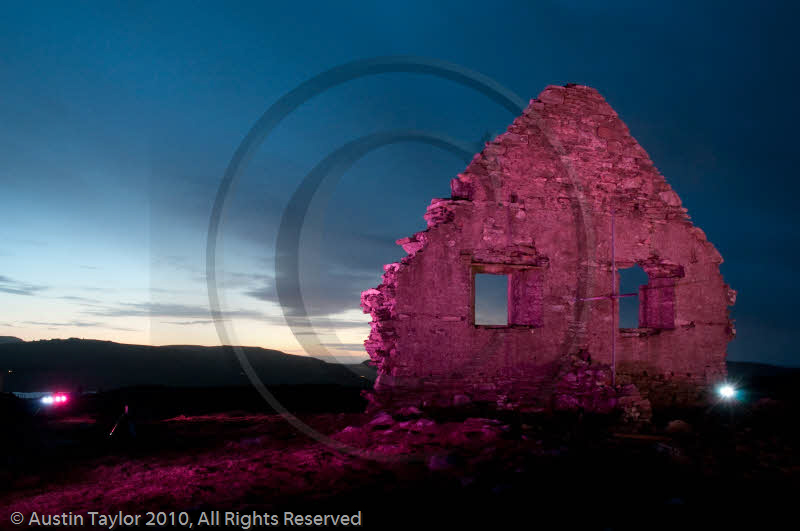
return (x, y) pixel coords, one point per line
(762, 380)
(70, 364)
(748, 369)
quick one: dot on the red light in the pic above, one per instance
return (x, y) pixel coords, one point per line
(55, 399)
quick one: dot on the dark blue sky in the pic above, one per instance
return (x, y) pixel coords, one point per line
(118, 123)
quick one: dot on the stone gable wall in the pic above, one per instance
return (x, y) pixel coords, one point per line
(536, 205)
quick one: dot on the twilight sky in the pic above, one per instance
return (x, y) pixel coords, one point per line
(118, 123)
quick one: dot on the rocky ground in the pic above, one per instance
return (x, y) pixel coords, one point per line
(455, 465)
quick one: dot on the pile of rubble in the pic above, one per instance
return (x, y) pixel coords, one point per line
(585, 386)
(412, 436)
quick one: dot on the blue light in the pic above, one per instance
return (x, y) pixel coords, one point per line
(727, 391)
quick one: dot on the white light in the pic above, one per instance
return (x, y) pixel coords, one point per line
(47, 400)
(727, 391)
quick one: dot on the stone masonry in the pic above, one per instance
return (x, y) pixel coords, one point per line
(535, 205)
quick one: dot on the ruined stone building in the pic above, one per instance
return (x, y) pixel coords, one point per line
(536, 206)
